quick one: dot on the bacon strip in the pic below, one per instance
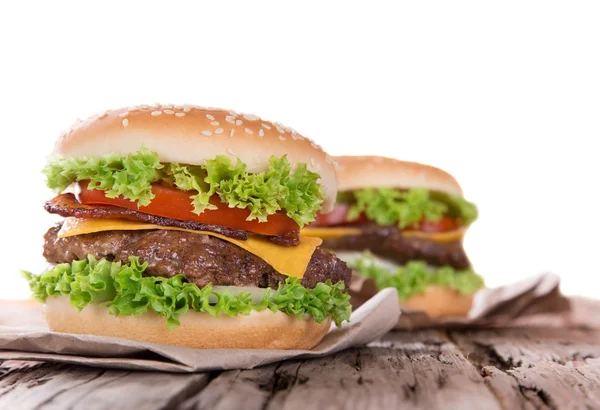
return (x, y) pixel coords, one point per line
(67, 205)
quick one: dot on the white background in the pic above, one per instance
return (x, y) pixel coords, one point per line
(504, 95)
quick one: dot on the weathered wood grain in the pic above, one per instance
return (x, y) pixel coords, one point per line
(74, 387)
(477, 369)
(231, 389)
(537, 368)
(396, 372)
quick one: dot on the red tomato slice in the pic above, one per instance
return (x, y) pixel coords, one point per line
(445, 224)
(173, 203)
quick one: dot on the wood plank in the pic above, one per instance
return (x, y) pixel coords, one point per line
(232, 388)
(32, 388)
(65, 386)
(547, 367)
(408, 370)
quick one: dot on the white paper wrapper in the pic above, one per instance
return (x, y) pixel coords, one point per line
(518, 303)
(35, 342)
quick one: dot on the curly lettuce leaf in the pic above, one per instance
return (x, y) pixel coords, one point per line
(416, 276)
(125, 291)
(296, 192)
(264, 193)
(458, 207)
(129, 176)
(390, 206)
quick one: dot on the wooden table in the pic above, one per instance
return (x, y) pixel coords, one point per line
(527, 368)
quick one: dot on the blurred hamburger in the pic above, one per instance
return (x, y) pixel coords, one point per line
(402, 225)
(182, 227)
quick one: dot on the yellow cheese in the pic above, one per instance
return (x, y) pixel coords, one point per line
(336, 232)
(287, 260)
(442, 237)
(329, 233)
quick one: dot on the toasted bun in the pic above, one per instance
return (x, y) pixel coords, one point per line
(438, 301)
(258, 330)
(191, 135)
(373, 172)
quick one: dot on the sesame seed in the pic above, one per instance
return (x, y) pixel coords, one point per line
(328, 159)
(124, 114)
(169, 112)
(187, 109)
(133, 108)
(231, 151)
(232, 132)
(281, 130)
(261, 133)
(156, 105)
(238, 122)
(230, 119)
(125, 122)
(312, 161)
(315, 146)
(210, 117)
(282, 138)
(168, 106)
(178, 107)
(214, 123)
(155, 113)
(219, 131)
(207, 133)
(179, 114)
(250, 117)
(267, 126)
(104, 114)
(248, 130)
(144, 106)
(319, 167)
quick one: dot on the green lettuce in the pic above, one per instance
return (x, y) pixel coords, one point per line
(297, 192)
(416, 276)
(125, 291)
(389, 206)
(129, 176)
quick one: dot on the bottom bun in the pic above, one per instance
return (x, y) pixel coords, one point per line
(258, 330)
(438, 301)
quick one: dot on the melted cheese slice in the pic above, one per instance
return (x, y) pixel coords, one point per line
(441, 237)
(287, 260)
(335, 232)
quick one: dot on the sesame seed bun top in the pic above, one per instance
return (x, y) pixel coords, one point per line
(356, 172)
(190, 135)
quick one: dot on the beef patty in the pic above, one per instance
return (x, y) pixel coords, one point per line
(202, 259)
(388, 242)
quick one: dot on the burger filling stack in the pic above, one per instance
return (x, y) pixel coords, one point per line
(181, 226)
(402, 225)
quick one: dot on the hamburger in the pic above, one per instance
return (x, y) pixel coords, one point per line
(402, 225)
(181, 226)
